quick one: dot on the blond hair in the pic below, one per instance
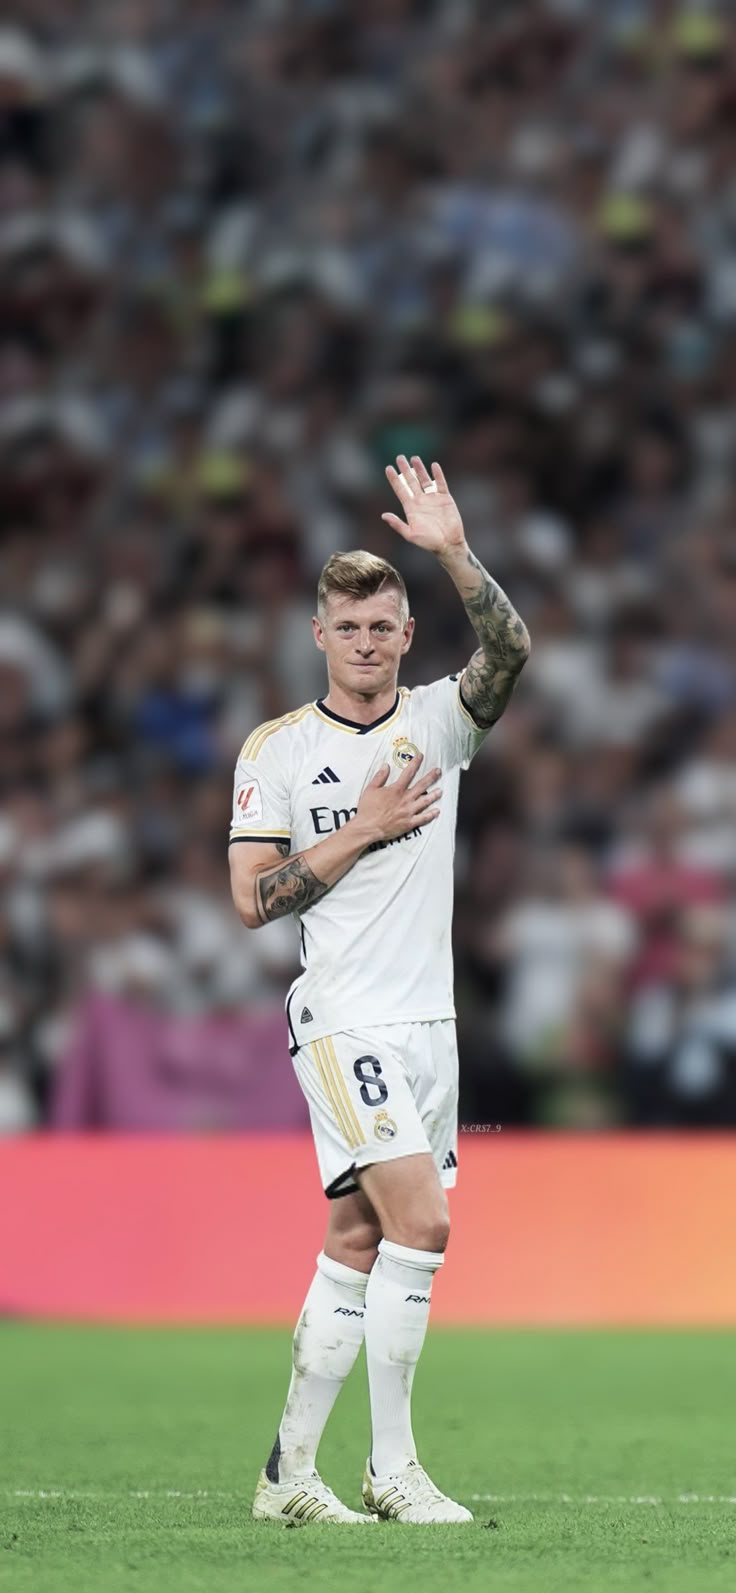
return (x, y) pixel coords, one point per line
(359, 575)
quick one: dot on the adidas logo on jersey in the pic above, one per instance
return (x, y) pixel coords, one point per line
(306, 1016)
(326, 777)
(449, 1161)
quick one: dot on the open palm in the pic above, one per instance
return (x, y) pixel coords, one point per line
(432, 517)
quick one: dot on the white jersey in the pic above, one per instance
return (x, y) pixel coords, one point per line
(377, 948)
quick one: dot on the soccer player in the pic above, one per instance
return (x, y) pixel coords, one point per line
(347, 828)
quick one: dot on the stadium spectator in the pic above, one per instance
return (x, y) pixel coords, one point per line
(247, 254)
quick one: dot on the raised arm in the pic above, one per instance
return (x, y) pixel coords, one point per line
(494, 668)
(433, 522)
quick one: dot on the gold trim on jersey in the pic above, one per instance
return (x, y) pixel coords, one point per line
(263, 829)
(464, 710)
(258, 737)
(354, 730)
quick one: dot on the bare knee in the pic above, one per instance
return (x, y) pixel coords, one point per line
(409, 1201)
(361, 1243)
(355, 1246)
(422, 1232)
(421, 1224)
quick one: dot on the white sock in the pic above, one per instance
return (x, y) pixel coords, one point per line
(326, 1342)
(397, 1312)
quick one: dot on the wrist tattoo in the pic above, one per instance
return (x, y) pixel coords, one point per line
(289, 888)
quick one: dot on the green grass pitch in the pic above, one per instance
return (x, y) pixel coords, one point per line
(128, 1460)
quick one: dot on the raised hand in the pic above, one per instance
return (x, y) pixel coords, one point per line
(432, 517)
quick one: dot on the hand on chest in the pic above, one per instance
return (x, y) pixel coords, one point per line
(327, 790)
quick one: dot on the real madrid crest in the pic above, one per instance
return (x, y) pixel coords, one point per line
(384, 1126)
(404, 751)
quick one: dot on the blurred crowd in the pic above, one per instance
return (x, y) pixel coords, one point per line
(250, 250)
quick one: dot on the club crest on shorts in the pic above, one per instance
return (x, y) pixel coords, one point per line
(384, 1126)
(404, 751)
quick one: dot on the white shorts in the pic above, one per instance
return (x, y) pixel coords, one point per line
(378, 1093)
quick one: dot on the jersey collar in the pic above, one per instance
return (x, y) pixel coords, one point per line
(351, 725)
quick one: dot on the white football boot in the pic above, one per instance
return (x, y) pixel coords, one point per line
(301, 1500)
(409, 1495)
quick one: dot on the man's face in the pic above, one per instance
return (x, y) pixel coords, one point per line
(364, 640)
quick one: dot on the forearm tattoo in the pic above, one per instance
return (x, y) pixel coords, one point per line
(494, 669)
(289, 888)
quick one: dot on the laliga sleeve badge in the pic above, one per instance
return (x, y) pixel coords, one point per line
(384, 1126)
(404, 751)
(248, 803)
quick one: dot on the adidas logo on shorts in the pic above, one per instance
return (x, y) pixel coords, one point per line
(449, 1161)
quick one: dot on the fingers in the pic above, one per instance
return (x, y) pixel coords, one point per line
(402, 484)
(428, 799)
(426, 795)
(409, 770)
(421, 473)
(425, 787)
(408, 475)
(396, 524)
(411, 480)
(407, 776)
(428, 792)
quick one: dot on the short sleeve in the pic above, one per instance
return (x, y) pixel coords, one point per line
(261, 808)
(460, 736)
